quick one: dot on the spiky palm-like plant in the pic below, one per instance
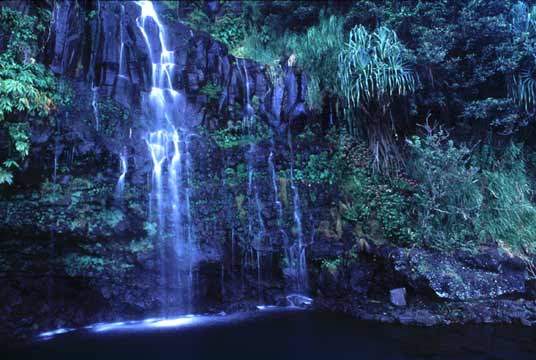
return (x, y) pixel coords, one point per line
(522, 88)
(372, 73)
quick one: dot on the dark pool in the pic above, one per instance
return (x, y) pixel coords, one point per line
(280, 334)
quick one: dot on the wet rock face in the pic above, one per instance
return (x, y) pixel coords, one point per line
(449, 277)
(67, 37)
(113, 43)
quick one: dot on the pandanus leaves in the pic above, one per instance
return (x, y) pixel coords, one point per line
(372, 68)
(371, 73)
(524, 87)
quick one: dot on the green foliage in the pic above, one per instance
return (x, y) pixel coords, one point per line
(228, 28)
(84, 210)
(448, 198)
(316, 170)
(508, 216)
(503, 111)
(373, 204)
(111, 115)
(235, 176)
(198, 20)
(23, 31)
(170, 10)
(369, 198)
(89, 265)
(523, 27)
(372, 67)
(150, 228)
(317, 52)
(27, 89)
(236, 134)
(463, 203)
(258, 46)
(349, 257)
(141, 246)
(332, 265)
(372, 73)
(212, 91)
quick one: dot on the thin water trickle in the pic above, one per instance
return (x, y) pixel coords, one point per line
(277, 202)
(123, 168)
(298, 258)
(95, 106)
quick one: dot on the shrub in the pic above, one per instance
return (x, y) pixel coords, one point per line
(508, 216)
(26, 87)
(448, 198)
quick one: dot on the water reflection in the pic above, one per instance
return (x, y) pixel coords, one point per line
(281, 334)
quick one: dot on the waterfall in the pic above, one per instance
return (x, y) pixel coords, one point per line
(122, 73)
(123, 166)
(277, 202)
(298, 258)
(169, 148)
(95, 106)
(254, 201)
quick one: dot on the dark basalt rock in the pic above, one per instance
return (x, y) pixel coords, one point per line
(67, 37)
(200, 60)
(421, 312)
(493, 276)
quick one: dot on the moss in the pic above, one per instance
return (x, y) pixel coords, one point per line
(150, 228)
(141, 246)
(212, 91)
(86, 265)
(235, 134)
(240, 209)
(235, 176)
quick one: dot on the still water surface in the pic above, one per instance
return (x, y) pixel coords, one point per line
(280, 334)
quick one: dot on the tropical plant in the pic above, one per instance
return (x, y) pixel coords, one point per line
(317, 52)
(448, 198)
(508, 215)
(522, 19)
(523, 89)
(372, 73)
(523, 85)
(27, 89)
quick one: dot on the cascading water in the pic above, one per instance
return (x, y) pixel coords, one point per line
(297, 254)
(122, 59)
(254, 201)
(168, 144)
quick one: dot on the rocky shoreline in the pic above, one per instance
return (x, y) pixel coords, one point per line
(425, 313)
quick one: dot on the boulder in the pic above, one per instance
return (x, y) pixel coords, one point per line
(398, 296)
(448, 277)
